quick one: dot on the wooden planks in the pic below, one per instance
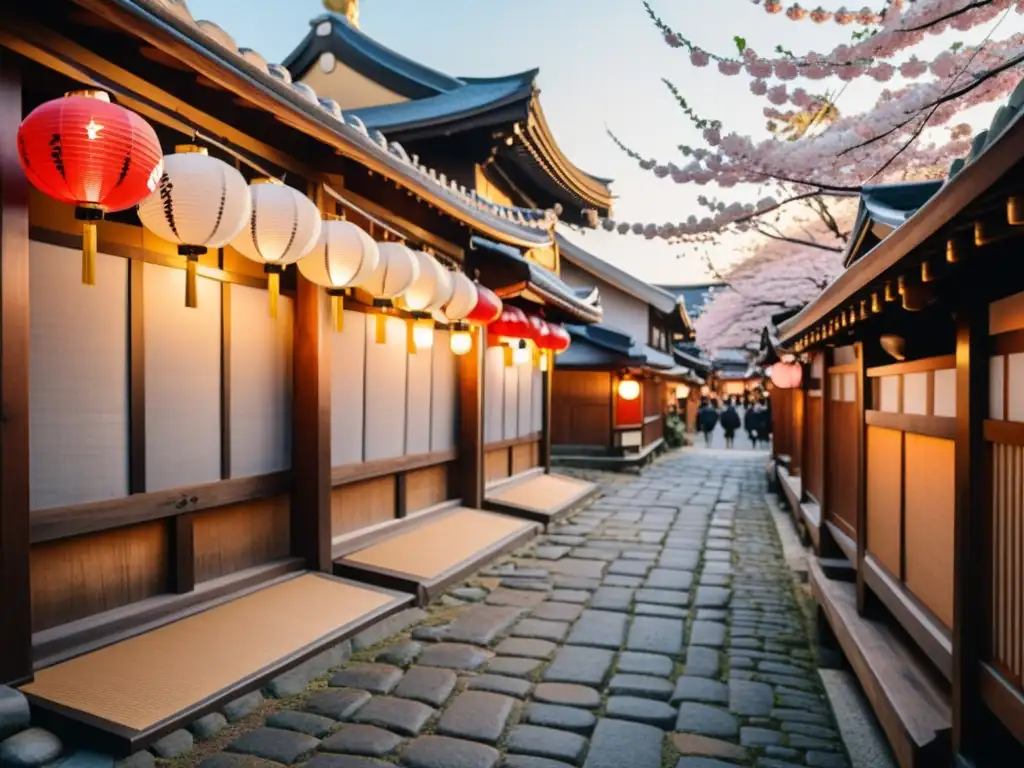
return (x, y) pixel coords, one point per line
(907, 699)
(540, 497)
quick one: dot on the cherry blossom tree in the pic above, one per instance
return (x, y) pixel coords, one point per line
(778, 275)
(813, 154)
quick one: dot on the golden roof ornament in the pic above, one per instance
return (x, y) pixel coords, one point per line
(347, 8)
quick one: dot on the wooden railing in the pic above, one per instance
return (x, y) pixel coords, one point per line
(654, 429)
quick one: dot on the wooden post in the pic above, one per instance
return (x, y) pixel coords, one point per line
(970, 511)
(547, 386)
(469, 482)
(15, 590)
(311, 426)
(862, 474)
(827, 546)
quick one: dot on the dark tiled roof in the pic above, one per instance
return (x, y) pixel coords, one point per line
(888, 205)
(694, 296)
(602, 345)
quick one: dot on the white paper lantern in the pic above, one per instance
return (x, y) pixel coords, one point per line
(397, 269)
(201, 202)
(463, 300)
(343, 256)
(431, 289)
(283, 227)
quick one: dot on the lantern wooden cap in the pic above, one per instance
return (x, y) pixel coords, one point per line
(265, 180)
(90, 93)
(186, 149)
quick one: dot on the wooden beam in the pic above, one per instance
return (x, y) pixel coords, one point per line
(470, 474)
(225, 379)
(970, 513)
(181, 573)
(15, 591)
(863, 383)
(311, 427)
(546, 390)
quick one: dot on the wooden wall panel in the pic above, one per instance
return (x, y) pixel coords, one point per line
(944, 393)
(1006, 562)
(510, 415)
(841, 465)
(1015, 387)
(495, 464)
(239, 536)
(929, 493)
(444, 397)
(182, 381)
(494, 394)
(426, 487)
(814, 461)
(885, 496)
(348, 378)
(915, 393)
(524, 457)
(417, 402)
(78, 378)
(358, 505)
(581, 408)
(996, 372)
(86, 575)
(386, 371)
(261, 383)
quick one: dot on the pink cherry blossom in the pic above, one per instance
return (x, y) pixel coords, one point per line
(758, 87)
(699, 58)
(729, 67)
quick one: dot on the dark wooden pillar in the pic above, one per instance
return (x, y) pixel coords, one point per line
(311, 427)
(827, 546)
(970, 512)
(546, 393)
(15, 590)
(862, 475)
(469, 482)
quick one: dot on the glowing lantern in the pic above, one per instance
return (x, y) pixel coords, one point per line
(461, 342)
(487, 308)
(427, 293)
(682, 392)
(787, 375)
(629, 389)
(463, 300)
(92, 154)
(397, 269)
(201, 202)
(343, 256)
(558, 339)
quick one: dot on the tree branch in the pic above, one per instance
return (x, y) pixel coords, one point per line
(946, 17)
(798, 241)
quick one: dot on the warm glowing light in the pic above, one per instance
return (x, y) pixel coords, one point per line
(521, 354)
(461, 342)
(382, 329)
(629, 389)
(682, 392)
(423, 334)
(544, 361)
(93, 130)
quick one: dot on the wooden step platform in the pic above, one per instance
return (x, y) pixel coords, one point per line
(536, 496)
(127, 695)
(424, 556)
(906, 694)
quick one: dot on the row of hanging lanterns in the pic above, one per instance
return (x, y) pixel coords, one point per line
(86, 151)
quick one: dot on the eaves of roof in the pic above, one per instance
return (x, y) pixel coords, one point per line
(166, 30)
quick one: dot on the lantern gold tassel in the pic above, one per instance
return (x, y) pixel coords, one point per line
(89, 254)
(273, 286)
(191, 290)
(382, 329)
(410, 341)
(338, 311)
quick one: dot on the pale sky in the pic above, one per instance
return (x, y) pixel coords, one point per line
(601, 64)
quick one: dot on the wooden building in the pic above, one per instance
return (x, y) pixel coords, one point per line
(901, 455)
(183, 487)
(613, 387)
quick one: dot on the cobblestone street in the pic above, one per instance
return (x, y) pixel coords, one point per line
(658, 627)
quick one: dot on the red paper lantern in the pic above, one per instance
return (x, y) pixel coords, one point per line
(488, 307)
(787, 375)
(512, 324)
(541, 331)
(95, 155)
(558, 339)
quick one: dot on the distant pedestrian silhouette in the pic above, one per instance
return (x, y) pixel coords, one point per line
(730, 423)
(707, 420)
